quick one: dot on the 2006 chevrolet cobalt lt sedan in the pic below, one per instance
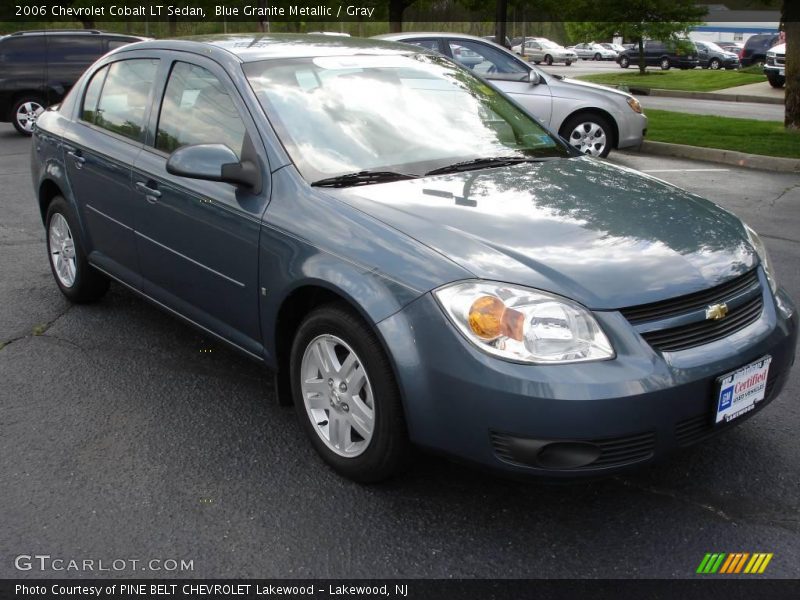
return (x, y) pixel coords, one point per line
(420, 261)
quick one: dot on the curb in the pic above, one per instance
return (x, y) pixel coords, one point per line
(717, 96)
(643, 91)
(726, 157)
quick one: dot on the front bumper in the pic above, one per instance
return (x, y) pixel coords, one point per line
(632, 127)
(636, 408)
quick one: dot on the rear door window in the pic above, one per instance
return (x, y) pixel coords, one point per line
(124, 97)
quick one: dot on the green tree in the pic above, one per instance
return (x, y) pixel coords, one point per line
(634, 20)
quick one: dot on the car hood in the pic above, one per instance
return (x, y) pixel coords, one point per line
(604, 235)
(779, 49)
(585, 85)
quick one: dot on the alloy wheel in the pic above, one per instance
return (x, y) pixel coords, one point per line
(62, 250)
(337, 395)
(27, 113)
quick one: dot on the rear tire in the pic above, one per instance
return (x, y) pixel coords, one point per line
(665, 64)
(568, 62)
(75, 277)
(624, 62)
(363, 449)
(548, 60)
(24, 113)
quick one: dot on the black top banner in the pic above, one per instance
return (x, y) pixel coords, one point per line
(344, 11)
(411, 589)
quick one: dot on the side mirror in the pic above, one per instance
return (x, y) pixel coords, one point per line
(534, 78)
(214, 162)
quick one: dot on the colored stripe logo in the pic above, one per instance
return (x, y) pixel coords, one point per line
(734, 563)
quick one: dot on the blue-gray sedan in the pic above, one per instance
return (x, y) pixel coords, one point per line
(420, 261)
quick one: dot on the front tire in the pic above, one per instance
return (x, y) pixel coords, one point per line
(714, 65)
(346, 396)
(568, 63)
(665, 64)
(776, 81)
(589, 133)
(24, 113)
(597, 56)
(624, 62)
(75, 277)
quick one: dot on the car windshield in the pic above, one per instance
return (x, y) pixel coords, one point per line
(713, 47)
(550, 45)
(408, 114)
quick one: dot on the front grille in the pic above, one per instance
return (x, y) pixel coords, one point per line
(744, 289)
(614, 452)
(696, 429)
(656, 311)
(780, 59)
(705, 332)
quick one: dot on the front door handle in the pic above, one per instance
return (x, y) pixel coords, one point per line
(150, 192)
(77, 156)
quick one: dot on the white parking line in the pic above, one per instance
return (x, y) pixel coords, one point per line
(684, 170)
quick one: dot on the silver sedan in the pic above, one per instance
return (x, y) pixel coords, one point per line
(593, 118)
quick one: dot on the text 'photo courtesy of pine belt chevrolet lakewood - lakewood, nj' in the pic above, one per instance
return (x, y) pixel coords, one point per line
(421, 262)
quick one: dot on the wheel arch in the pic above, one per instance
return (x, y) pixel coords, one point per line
(48, 189)
(293, 308)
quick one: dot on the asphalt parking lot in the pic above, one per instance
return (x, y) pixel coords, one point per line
(126, 434)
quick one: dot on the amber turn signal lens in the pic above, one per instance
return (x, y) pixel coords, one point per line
(489, 318)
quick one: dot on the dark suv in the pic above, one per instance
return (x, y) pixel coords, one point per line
(681, 54)
(37, 68)
(755, 48)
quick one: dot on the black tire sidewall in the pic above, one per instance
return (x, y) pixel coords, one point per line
(389, 448)
(624, 62)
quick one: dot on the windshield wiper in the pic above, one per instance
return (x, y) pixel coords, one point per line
(486, 163)
(362, 178)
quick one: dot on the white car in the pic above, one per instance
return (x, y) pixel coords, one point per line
(594, 119)
(593, 51)
(615, 47)
(545, 51)
(775, 67)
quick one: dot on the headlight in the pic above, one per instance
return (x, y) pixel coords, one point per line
(524, 325)
(763, 256)
(770, 55)
(635, 105)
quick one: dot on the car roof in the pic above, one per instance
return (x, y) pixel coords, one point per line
(439, 34)
(254, 47)
(73, 32)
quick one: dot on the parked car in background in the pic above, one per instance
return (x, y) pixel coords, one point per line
(756, 47)
(734, 47)
(544, 51)
(615, 47)
(419, 261)
(593, 118)
(593, 51)
(711, 56)
(492, 38)
(775, 67)
(681, 54)
(38, 68)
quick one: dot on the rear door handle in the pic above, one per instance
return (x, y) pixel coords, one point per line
(151, 193)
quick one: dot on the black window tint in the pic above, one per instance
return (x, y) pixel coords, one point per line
(92, 95)
(197, 109)
(484, 59)
(21, 49)
(74, 49)
(123, 101)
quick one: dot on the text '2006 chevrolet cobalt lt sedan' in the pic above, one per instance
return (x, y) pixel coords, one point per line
(420, 261)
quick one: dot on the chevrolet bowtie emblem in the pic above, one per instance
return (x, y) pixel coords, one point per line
(715, 312)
